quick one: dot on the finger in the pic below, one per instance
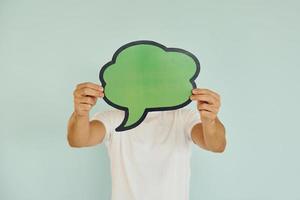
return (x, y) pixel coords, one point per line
(78, 94)
(94, 99)
(206, 98)
(207, 107)
(86, 100)
(203, 97)
(101, 94)
(205, 91)
(89, 85)
(88, 92)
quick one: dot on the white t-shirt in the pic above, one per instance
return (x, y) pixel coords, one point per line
(152, 160)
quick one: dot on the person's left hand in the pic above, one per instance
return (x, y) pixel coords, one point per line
(208, 104)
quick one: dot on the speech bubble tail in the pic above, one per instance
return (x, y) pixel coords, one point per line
(133, 117)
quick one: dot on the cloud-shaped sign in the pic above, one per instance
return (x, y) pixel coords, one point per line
(145, 76)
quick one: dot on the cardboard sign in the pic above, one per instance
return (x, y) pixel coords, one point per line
(145, 76)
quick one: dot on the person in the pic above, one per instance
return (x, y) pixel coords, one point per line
(152, 160)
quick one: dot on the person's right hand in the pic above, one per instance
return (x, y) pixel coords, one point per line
(85, 97)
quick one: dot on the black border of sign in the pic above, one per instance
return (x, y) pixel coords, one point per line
(192, 80)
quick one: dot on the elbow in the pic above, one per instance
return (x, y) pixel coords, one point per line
(219, 148)
(73, 143)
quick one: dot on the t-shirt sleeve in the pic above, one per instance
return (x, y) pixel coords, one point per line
(110, 119)
(190, 118)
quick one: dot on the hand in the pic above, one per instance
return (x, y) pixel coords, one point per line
(85, 97)
(208, 104)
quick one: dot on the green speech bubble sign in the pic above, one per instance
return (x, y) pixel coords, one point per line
(145, 76)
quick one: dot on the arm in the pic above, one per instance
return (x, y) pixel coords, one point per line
(82, 132)
(210, 134)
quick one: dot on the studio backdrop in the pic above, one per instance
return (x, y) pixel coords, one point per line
(248, 52)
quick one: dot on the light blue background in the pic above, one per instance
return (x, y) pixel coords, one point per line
(249, 53)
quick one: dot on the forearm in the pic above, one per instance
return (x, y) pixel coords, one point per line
(214, 135)
(78, 130)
